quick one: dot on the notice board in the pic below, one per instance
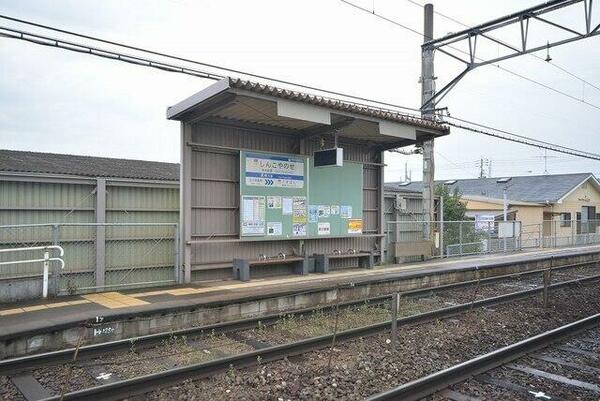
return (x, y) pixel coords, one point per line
(285, 197)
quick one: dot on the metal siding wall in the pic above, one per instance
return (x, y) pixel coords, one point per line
(214, 260)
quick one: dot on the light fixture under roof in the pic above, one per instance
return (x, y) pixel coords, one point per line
(403, 184)
(503, 180)
(450, 182)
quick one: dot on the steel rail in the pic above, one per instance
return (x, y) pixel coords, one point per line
(143, 384)
(10, 366)
(428, 385)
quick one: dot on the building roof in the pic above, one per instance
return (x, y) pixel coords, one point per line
(337, 104)
(87, 166)
(235, 101)
(550, 188)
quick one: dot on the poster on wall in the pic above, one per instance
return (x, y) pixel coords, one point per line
(346, 212)
(274, 202)
(323, 211)
(355, 226)
(286, 206)
(253, 215)
(274, 228)
(313, 216)
(335, 210)
(324, 228)
(299, 216)
(263, 170)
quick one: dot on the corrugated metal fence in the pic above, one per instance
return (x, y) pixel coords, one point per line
(129, 255)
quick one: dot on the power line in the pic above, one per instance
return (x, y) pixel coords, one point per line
(538, 141)
(552, 63)
(184, 59)
(372, 12)
(113, 55)
(526, 141)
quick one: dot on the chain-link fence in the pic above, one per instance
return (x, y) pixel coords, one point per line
(97, 256)
(561, 233)
(451, 238)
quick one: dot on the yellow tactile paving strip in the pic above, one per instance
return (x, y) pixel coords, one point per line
(14, 311)
(114, 300)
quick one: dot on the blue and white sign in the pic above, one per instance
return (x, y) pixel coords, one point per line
(264, 170)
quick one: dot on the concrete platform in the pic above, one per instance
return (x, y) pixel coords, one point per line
(35, 326)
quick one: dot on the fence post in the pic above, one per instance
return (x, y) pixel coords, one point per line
(55, 270)
(45, 278)
(100, 233)
(178, 276)
(460, 237)
(395, 307)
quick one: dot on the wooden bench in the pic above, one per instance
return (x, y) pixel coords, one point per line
(366, 259)
(241, 267)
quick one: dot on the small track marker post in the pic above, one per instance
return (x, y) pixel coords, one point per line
(395, 307)
(335, 327)
(547, 279)
(477, 285)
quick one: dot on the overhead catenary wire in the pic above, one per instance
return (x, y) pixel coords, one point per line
(543, 85)
(117, 56)
(192, 61)
(550, 62)
(553, 146)
(527, 141)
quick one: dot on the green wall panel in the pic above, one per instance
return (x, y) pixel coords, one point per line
(286, 197)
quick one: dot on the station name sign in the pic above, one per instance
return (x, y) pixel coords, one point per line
(274, 171)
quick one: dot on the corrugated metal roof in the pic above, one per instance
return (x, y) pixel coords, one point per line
(532, 188)
(88, 166)
(336, 104)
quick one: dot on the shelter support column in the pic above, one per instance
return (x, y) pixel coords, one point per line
(185, 201)
(381, 208)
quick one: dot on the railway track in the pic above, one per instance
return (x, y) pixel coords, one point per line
(524, 280)
(118, 389)
(529, 369)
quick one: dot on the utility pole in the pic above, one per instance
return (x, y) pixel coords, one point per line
(427, 92)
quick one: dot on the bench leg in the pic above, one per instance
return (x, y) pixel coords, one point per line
(301, 267)
(367, 262)
(241, 269)
(321, 264)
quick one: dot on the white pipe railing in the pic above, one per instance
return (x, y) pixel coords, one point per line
(46, 260)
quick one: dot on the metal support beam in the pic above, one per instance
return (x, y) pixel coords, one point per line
(381, 207)
(448, 44)
(326, 129)
(185, 202)
(100, 233)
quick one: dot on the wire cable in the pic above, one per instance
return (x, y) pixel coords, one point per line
(209, 65)
(467, 53)
(552, 63)
(528, 141)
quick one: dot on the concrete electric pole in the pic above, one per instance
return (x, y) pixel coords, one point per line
(427, 92)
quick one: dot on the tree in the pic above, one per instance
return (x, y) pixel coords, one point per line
(458, 233)
(454, 208)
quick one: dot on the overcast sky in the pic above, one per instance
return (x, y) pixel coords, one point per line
(57, 101)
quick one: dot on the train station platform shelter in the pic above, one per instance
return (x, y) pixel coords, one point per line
(254, 200)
